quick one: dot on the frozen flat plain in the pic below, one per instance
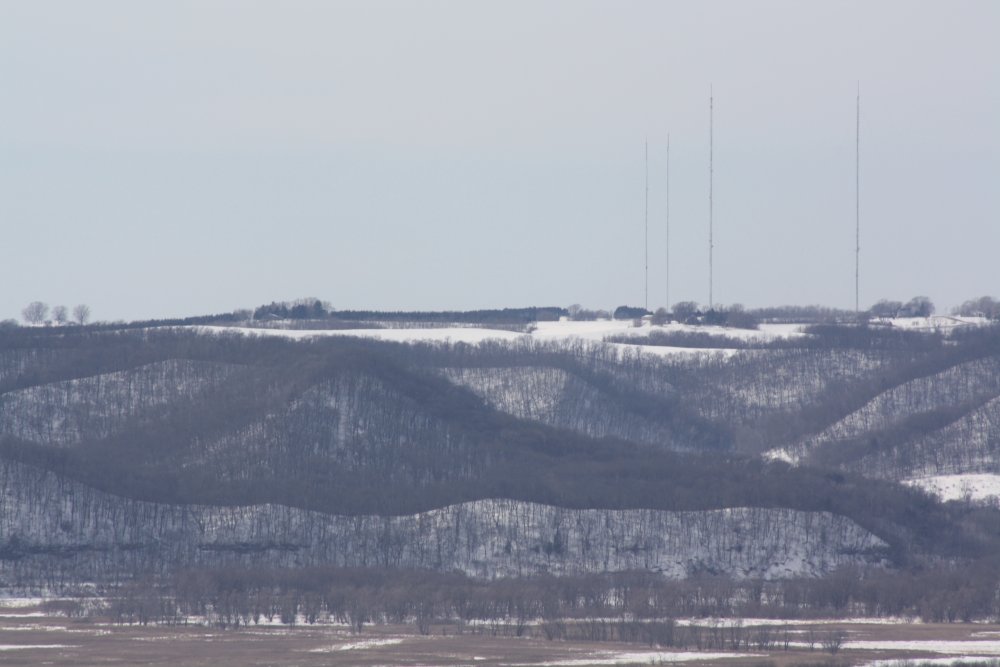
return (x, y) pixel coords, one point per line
(32, 636)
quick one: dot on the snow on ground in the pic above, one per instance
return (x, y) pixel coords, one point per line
(952, 648)
(34, 627)
(781, 454)
(977, 487)
(589, 331)
(950, 660)
(25, 614)
(596, 330)
(717, 622)
(600, 329)
(631, 658)
(750, 622)
(24, 647)
(360, 645)
(440, 334)
(668, 351)
(934, 323)
(16, 602)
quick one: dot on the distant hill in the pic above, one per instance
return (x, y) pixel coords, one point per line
(132, 450)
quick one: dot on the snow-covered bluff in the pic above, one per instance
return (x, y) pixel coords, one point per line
(967, 443)
(555, 397)
(68, 412)
(51, 527)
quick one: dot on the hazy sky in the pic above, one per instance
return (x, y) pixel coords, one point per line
(176, 158)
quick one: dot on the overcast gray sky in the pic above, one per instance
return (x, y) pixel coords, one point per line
(175, 158)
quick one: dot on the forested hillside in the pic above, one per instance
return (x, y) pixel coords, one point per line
(154, 450)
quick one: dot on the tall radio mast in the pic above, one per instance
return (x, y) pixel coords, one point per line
(667, 304)
(857, 205)
(646, 223)
(711, 176)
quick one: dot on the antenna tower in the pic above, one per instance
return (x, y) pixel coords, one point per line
(711, 177)
(857, 205)
(667, 304)
(646, 223)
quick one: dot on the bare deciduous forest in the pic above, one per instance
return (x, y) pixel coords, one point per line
(374, 481)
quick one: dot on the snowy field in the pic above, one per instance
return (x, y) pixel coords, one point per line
(926, 662)
(941, 323)
(595, 330)
(779, 622)
(981, 487)
(360, 645)
(589, 331)
(33, 636)
(568, 331)
(636, 657)
(954, 649)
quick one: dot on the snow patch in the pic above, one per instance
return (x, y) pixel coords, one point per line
(934, 322)
(360, 645)
(14, 602)
(26, 614)
(751, 622)
(953, 647)
(782, 454)
(601, 329)
(951, 660)
(633, 657)
(430, 335)
(563, 331)
(976, 487)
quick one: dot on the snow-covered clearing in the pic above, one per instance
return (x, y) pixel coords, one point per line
(632, 657)
(942, 323)
(950, 647)
(24, 614)
(431, 335)
(668, 351)
(951, 660)
(34, 627)
(601, 329)
(16, 602)
(588, 331)
(976, 487)
(25, 647)
(360, 645)
(782, 454)
(751, 622)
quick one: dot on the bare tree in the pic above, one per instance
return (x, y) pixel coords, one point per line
(661, 316)
(919, 306)
(833, 641)
(886, 308)
(35, 312)
(81, 314)
(685, 310)
(983, 306)
(60, 314)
